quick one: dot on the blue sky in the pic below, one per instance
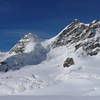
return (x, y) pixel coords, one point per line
(45, 18)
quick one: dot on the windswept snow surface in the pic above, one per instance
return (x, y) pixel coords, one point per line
(82, 79)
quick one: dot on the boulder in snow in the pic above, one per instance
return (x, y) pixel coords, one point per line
(68, 62)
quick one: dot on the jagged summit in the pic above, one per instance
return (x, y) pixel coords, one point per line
(80, 35)
(76, 21)
(27, 42)
(28, 51)
(70, 34)
(31, 36)
(95, 21)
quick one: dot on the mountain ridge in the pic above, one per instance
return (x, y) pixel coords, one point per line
(77, 34)
(58, 66)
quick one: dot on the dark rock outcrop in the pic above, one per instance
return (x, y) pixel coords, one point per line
(3, 63)
(80, 35)
(91, 47)
(3, 66)
(68, 62)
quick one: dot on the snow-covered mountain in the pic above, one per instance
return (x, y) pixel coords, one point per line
(81, 35)
(28, 51)
(26, 44)
(67, 64)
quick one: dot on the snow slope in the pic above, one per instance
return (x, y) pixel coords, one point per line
(28, 51)
(81, 79)
(35, 67)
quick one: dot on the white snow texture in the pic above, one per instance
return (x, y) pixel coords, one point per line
(34, 67)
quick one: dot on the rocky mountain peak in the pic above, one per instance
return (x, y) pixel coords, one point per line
(71, 34)
(23, 42)
(95, 21)
(80, 35)
(94, 24)
(29, 35)
(76, 21)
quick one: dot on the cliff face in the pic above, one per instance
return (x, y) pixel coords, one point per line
(82, 35)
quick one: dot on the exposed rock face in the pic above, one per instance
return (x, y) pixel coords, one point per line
(71, 34)
(68, 62)
(28, 51)
(80, 35)
(21, 45)
(3, 66)
(91, 47)
(2, 63)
